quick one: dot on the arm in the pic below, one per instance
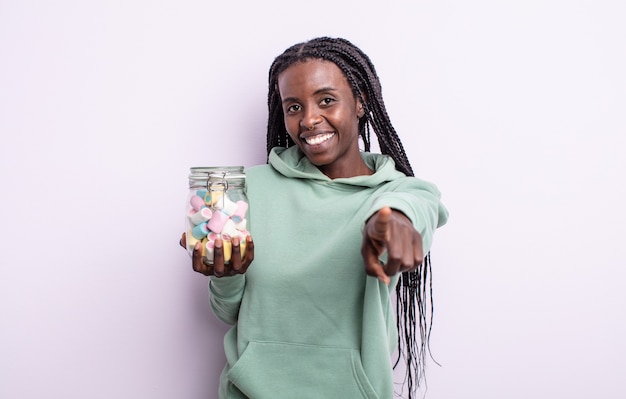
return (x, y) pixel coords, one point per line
(401, 223)
(225, 292)
(225, 295)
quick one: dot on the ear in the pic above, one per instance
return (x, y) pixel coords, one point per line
(359, 105)
(359, 109)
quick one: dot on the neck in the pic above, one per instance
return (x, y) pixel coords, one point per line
(360, 169)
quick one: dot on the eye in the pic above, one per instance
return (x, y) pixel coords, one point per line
(327, 101)
(293, 108)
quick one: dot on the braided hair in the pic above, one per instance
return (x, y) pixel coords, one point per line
(414, 289)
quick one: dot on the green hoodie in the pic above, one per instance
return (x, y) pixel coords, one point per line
(308, 323)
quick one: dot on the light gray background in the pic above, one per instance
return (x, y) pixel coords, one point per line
(514, 109)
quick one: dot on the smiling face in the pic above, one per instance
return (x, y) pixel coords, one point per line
(322, 115)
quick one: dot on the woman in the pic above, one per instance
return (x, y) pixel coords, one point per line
(334, 230)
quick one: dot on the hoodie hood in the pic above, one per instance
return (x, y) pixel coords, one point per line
(291, 162)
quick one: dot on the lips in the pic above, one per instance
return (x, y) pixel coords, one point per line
(318, 138)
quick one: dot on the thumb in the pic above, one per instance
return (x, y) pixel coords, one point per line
(374, 268)
(381, 275)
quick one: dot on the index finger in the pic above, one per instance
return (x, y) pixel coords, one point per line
(381, 223)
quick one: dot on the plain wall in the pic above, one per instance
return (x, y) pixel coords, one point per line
(514, 109)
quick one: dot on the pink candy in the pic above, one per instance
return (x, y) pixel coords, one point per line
(196, 202)
(197, 217)
(217, 221)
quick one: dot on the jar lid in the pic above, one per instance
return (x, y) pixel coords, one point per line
(201, 176)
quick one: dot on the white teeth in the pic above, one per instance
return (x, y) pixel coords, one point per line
(320, 138)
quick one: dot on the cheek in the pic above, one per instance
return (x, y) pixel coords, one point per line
(292, 127)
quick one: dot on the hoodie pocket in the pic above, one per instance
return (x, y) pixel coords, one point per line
(273, 370)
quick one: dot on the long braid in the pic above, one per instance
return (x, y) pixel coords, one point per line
(414, 289)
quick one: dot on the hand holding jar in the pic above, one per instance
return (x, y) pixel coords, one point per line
(216, 237)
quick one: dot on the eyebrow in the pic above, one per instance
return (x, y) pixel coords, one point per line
(318, 91)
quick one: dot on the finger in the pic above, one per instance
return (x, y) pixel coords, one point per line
(400, 254)
(418, 251)
(393, 265)
(207, 267)
(249, 256)
(218, 258)
(196, 257)
(376, 269)
(373, 267)
(235, 257)
(414, 254)
(381, 224)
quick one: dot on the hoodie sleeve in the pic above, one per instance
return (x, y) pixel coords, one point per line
(419, 200)
(225, 295)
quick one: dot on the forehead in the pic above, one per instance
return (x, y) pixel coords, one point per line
(310, 76)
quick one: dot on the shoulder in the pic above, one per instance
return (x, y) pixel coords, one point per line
(257, 169)
(261, 174)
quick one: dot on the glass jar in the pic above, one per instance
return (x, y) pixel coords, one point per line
(217, 207)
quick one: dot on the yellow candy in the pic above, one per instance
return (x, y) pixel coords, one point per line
(228, 250)
(204, 241)
(211, 197)
(191, 241)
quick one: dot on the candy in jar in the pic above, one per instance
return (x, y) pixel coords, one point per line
(217, 207)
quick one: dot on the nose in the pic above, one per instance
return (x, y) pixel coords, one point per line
(310, 118)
